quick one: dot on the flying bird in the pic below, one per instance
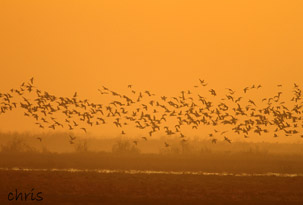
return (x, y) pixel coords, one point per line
(227, 140)
(72, 138)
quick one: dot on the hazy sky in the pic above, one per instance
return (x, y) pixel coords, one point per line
(161, 45)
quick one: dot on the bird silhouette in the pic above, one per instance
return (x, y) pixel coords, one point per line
(227, 140)
(72, 138)
(171, 114)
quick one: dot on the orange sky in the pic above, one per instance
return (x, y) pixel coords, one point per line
(164, 46)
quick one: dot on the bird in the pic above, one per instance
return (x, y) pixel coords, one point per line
(163, 98)
(213, 92)
(252, 102)
(238, 99)
(246, 89)
(226, 139)
(202, 82)
(72, 138)
(150, 112)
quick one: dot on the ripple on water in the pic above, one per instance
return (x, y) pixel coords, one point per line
(110, 171)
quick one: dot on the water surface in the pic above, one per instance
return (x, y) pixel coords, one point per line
(111, 171)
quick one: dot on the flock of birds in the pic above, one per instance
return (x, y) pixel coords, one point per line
(144, 110)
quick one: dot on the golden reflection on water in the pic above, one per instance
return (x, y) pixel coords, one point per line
(117, 171)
